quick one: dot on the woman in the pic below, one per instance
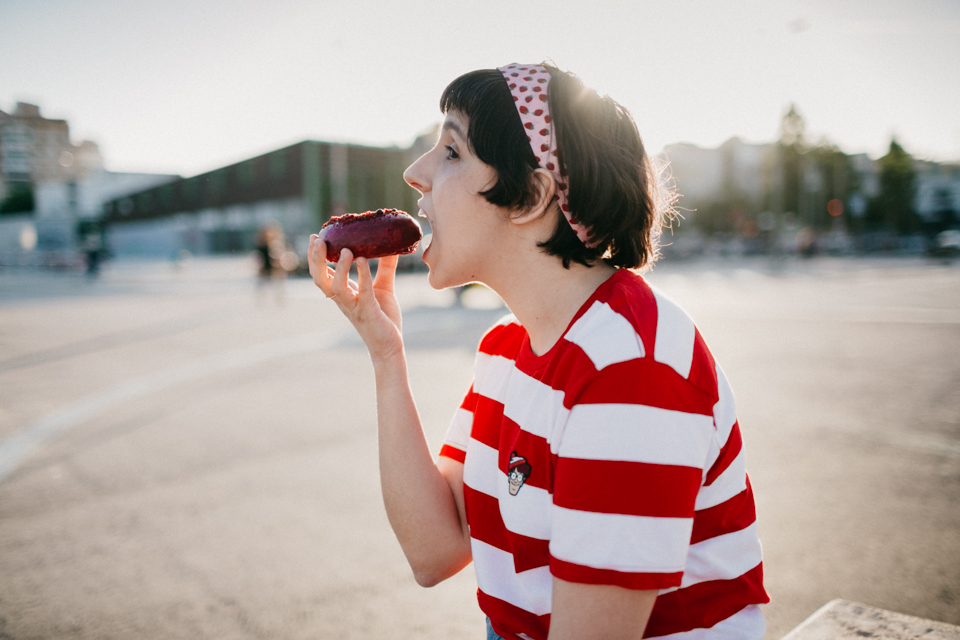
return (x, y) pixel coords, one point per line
(593, 473)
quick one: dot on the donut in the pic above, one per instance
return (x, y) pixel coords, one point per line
(374, 234)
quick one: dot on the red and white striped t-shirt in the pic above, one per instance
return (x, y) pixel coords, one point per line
(614, 458)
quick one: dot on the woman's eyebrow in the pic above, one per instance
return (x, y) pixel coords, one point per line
(454, 126)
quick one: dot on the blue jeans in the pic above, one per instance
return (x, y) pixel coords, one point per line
(491, 634)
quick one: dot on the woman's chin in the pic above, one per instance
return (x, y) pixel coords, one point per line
(440, 281)
(436, 280)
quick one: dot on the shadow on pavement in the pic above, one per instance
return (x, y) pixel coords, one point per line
(428, 327)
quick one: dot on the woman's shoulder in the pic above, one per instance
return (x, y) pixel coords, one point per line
(632, 320)
(625, 300)
(651, 312)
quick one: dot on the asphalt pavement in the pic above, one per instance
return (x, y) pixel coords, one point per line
(184, 455)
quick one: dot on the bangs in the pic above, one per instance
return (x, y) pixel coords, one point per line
(495, 133)
(468, 93)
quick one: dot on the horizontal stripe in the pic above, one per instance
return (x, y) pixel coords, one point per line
(589, 575)
(629, 488)
(528, 553)
(605, 336)
(727, 455)
(675, 335)
(725, 411)
(571, 371)
(483, 516)
(746, 624)
(511, 622)
(453, 453)
(736, 513)
(527, 512)
(732, 481)
(530, 590)
(503, 338)
(649, 383)
(638, 434)
(486, 525)
(703, 605)
(703, 368)
(480, 468)
(492, 376)
(486, 422)
(469, 400)
(458, 435)
(508, 320)
(534, 406)
(633, 544)
(723, 557)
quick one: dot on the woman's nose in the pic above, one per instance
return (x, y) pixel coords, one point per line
(415, 175)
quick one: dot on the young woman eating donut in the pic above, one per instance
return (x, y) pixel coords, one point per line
(594, 472)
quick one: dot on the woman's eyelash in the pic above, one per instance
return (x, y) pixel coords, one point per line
(453, 155)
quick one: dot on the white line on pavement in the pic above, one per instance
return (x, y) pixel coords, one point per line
(17, 447)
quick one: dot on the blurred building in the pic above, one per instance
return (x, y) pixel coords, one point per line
(48, 184)
(740, 188)
(938, 194)
(736, 169)
(299, 186)
(35, 149)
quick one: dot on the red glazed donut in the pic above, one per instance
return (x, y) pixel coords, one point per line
(374, 234)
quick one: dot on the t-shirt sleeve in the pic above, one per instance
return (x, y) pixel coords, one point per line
(458, 434)
(626, 481)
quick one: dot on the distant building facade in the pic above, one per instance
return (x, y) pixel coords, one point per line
(48, 184)
(748, 180)
(36, 153)
(32, 147)
(938, 194)
(735, 169)
(299, 186)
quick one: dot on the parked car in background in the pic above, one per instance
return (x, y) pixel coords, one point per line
(946, 243)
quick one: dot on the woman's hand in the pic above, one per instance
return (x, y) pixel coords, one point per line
(370, 305)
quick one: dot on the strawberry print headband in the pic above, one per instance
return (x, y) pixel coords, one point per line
(528, 84)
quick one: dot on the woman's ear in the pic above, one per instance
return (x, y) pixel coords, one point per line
(545, 186)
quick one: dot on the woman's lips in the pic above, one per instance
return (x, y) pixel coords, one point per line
(427, 237)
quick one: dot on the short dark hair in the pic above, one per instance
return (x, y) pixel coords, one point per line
(613, 188)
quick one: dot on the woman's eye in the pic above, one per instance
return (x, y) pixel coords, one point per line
(451, 153)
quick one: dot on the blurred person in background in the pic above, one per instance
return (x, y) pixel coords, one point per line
(270, 249)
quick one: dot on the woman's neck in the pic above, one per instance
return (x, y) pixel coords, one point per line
(547, 297)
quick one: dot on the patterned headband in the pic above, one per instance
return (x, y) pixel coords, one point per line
(528, 83)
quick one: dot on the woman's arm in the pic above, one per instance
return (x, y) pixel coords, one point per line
(598, 612)
(423, 499)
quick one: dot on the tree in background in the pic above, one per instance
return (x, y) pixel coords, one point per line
(893, 208)
(792, 146)
(837, 181)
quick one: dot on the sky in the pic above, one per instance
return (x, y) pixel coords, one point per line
(180, 86)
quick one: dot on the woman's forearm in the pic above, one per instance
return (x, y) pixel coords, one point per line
(420, 502)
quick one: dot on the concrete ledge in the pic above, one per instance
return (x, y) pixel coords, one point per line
(842, 620)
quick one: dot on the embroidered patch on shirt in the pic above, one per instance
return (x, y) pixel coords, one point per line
(518, 470)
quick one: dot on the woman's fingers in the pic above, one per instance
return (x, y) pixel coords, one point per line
(317, 259)
(386, 270)
(364, 279)
(341, 276)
